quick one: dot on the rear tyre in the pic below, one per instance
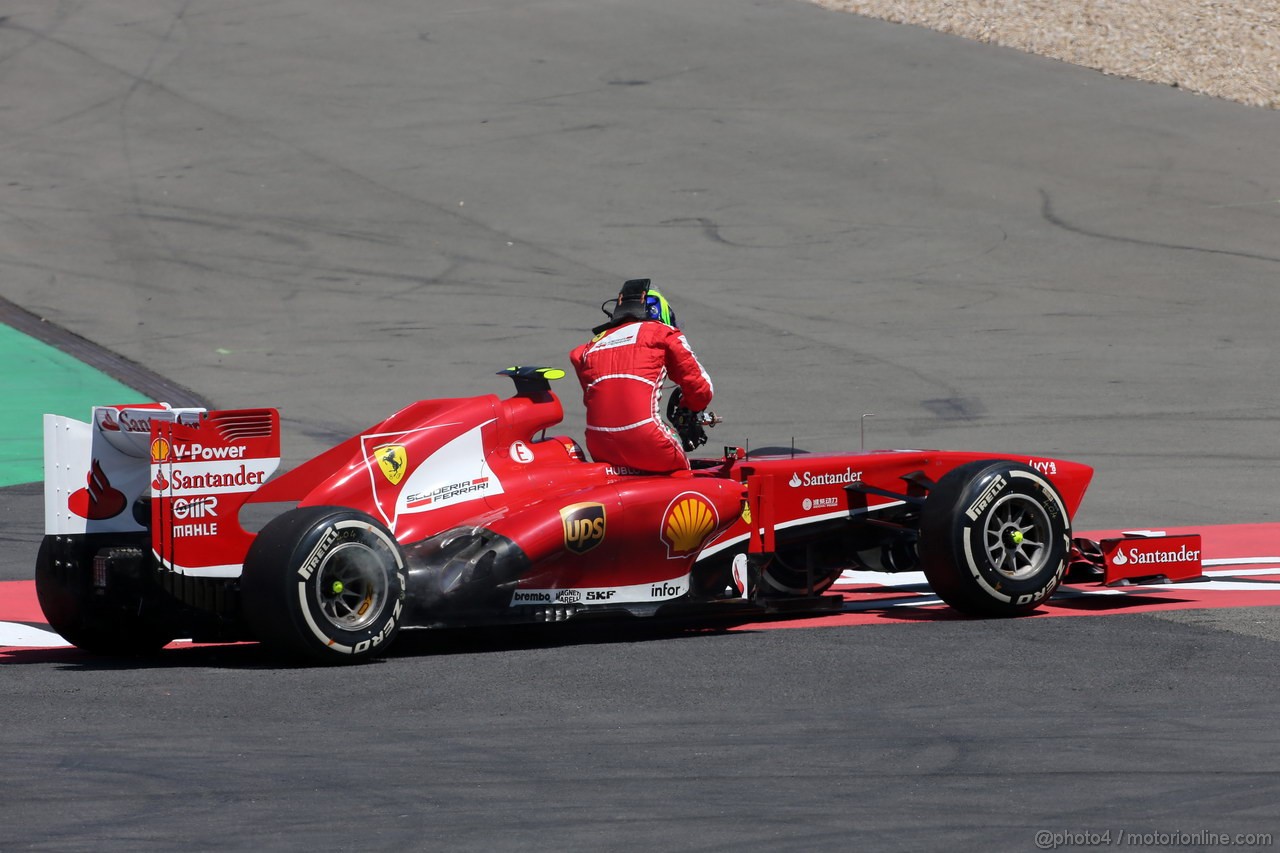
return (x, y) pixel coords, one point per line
(324, 585)
(100, 621)
(994, 538)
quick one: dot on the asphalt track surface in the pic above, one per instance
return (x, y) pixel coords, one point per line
(335, 208)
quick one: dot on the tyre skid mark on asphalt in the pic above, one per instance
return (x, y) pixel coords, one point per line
(1237, 574)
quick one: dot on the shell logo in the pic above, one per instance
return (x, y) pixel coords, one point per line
(160, 449)
(687, 523)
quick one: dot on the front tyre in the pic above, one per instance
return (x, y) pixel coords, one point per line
(325, 585)
(994, 538)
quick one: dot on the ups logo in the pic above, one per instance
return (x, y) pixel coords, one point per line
(584, 526)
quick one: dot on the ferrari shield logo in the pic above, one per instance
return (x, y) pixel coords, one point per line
(392, 460)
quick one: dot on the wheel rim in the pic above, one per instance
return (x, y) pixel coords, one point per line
(1017, 537)
(351, 586)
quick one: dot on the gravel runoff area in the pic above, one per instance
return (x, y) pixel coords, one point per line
(1225, 49)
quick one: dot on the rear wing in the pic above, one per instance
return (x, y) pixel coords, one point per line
(180, 473)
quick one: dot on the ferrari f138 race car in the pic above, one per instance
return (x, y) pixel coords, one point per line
(462, 512)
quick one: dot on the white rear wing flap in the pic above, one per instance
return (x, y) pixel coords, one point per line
(95, 472)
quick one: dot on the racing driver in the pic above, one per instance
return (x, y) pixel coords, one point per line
(622, 370)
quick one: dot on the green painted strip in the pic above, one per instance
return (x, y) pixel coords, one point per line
(38, 378)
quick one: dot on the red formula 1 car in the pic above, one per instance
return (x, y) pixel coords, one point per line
(464, 511)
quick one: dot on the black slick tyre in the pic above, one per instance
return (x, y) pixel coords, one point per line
(324, 585)
(994, 538)
(92, 619)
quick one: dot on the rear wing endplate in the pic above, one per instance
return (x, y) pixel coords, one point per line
(182, 473)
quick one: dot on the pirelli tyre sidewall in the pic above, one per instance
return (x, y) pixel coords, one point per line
(325, 584)
(994, 538)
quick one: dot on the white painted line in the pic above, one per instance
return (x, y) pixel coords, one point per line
(17, 634)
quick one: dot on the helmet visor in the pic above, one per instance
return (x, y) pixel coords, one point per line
(658, 308)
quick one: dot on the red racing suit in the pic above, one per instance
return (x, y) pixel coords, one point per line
(622, 370)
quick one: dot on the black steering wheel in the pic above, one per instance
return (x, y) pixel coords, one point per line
(687, 423)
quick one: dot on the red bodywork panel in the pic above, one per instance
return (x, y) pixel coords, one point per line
(485, 462)
(201, 475)
(810, 488)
